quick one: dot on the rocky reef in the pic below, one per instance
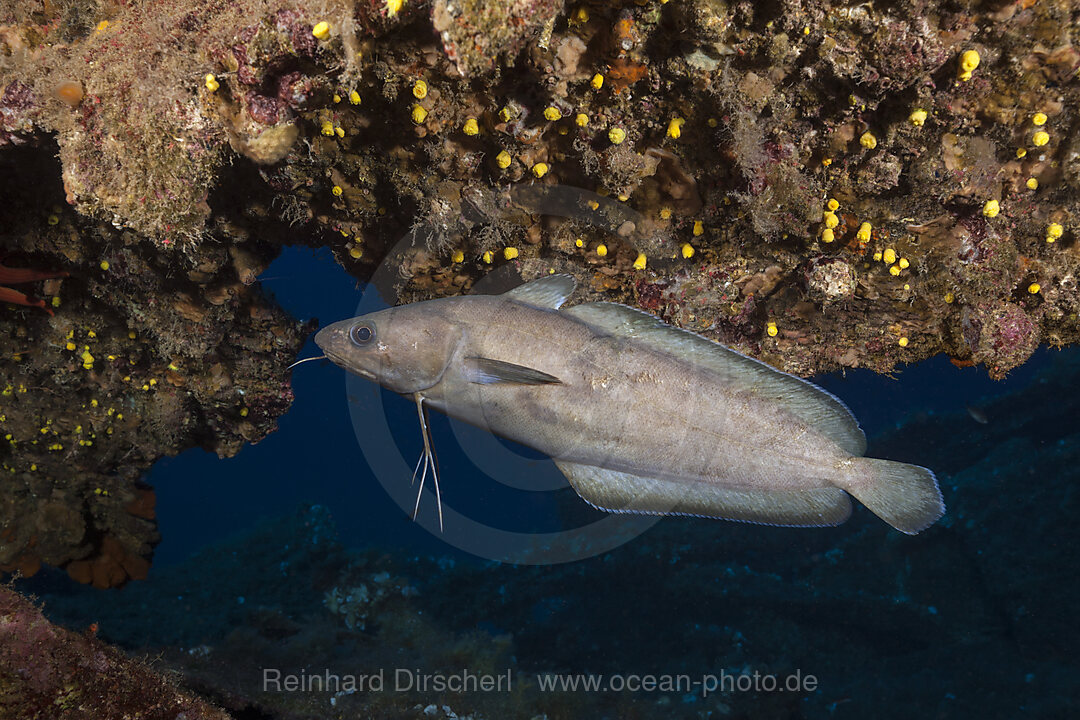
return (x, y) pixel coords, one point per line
(139, 355)
(819, 185)
(47, 671)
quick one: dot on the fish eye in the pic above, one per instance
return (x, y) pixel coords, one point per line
(362, 334)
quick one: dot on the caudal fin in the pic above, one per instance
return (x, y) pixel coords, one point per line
(905, 496)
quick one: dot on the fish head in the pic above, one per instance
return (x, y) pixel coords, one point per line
(405, 349)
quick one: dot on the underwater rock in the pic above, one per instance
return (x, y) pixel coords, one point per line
(1001, 336)
(144, 355)
(829, 280)
(47, 671)
(727, 127)
(479, 35)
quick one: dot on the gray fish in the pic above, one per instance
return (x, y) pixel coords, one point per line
(640, 416)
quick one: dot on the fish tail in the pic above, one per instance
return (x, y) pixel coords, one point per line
(905, 496)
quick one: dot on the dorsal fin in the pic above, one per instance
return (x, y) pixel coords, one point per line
(819, 408)
(546, 292)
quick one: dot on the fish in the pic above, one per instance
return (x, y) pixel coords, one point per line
(640, 416)
(18, 276)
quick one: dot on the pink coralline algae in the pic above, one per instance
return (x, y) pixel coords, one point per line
(1003, 335)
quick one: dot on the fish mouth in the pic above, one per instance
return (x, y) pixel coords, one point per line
(343, 363)
(367, 375)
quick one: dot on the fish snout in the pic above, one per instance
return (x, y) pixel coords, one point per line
(322, 339)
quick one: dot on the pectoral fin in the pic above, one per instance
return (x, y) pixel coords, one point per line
(621, 492)
(486, 371)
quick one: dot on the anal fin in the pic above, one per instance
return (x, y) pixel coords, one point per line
(621, 492)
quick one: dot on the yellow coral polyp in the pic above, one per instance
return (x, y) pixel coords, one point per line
(327, 128)
(457, 257)
(917, 117)
(540, 169)
(868, 141)
(597, 81)
(616, 135)
(1039, 119)
(601, 250)
(699, 228)
(1034, 288)
(419, 113)
(211, 82)
(321, 31)
(419, 90)
(687, 250)
(354, 98)
(863, 234)
(640, 262)
(832, 205)
(1040, 138)
(488, 257)
(827, 236)
(991, 208)
(393, 7)
(581, 119)
(552, 114)
(889, 256)
(969, 60)
(471, 127)
(1054, 231)
(510, 253)
(831, 220)
(674, 128)
(503, 160)
(771, 329)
